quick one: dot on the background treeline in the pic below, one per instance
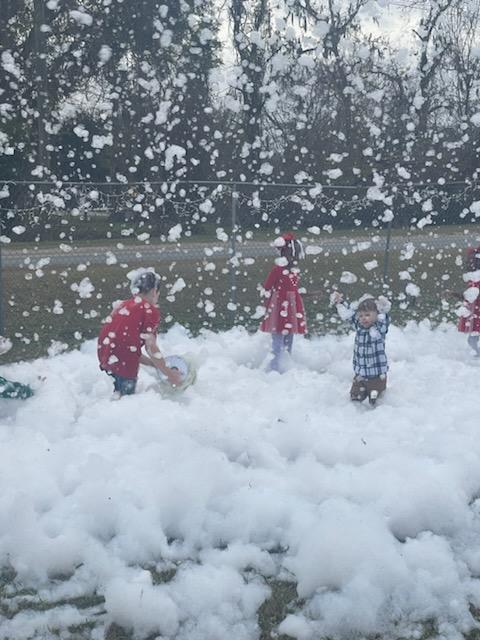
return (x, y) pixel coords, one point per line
(298, 91)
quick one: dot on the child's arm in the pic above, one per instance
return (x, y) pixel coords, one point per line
(344, 310)
(271, 280)
(265, 289)
(383, 305)
(453, 294)
(156, 360)
(383, 323)
(146, 360)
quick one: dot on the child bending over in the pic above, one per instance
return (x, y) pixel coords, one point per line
(132, 325)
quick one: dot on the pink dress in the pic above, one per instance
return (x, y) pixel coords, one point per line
(285, 312)
(470, 312)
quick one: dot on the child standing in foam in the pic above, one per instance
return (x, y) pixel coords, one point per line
(285, 313)
(370, 320)
(469, 311)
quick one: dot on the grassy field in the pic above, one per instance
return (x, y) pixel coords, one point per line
(41, 306)
(16, 600)
(33, 322)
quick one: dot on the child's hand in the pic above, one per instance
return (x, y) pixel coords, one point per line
(310, 294)
(174, 377)
(448, 293)
(383, 304)
(336, 297)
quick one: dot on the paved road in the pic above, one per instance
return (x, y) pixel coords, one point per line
(67, 255)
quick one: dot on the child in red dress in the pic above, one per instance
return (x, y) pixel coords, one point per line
(469, 312)
(285, 313)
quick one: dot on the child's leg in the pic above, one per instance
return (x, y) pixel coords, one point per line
(358, 392)
(375, 387)
(124, 386)
(473, 344)
(277, 349)
(288, 342)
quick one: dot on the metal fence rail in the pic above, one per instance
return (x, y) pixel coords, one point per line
(145, 253)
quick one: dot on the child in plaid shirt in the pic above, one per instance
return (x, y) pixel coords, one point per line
(370, 320)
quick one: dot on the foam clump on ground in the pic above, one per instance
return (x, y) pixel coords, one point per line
(248, 477)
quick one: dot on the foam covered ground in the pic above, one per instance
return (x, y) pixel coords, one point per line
(374, 514)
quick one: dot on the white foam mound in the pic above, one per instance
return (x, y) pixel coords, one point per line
(374, 513)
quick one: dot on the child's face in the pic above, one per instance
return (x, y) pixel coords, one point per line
(367, 318)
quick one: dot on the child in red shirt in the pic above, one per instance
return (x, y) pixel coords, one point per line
(132, 325)
(285, 313)
(469, 312)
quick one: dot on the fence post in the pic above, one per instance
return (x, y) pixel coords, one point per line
(2, 325)
(233, 253)
(41, 82)
(386, 261)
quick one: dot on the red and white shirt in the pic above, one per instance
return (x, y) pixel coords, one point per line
(469, 312)
(123, 335)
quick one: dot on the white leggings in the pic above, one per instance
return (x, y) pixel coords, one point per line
(473, 344)
(280, 344)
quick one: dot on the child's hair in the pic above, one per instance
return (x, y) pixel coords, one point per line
(368, 304)
(290, 247)
(145, 282)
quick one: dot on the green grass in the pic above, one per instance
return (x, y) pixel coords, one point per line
(16, 599)
(283, 600)
(29, 300)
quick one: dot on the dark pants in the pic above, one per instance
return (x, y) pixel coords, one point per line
(124, 386)
(363, 387)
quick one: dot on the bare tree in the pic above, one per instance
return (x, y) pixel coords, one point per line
(251, 28)
(461, 34)
(432, 51)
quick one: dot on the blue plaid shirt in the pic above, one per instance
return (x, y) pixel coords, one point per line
(369, 357)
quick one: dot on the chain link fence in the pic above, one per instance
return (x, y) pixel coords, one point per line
(66, 250)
